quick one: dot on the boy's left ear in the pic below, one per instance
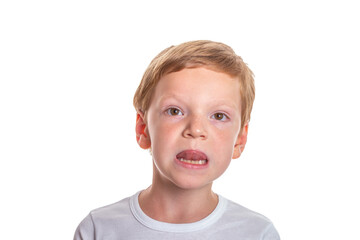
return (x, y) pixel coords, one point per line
(240, 142)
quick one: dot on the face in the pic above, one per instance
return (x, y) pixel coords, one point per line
(193, 127)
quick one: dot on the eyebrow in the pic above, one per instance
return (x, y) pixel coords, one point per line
(220, 103)
(170, 96)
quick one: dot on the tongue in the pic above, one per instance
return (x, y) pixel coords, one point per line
(192, 155)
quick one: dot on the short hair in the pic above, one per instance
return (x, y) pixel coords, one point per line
(192, 54)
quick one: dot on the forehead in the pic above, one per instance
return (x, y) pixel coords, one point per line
(201, 84)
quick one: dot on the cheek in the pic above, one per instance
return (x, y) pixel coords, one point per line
(225, 142)
(226, 136)
(162, 135)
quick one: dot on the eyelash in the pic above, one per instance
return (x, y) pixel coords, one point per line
(223, 118)
(168, 111)
(178, 112)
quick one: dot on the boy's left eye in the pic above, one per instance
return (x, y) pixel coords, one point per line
(220, 116)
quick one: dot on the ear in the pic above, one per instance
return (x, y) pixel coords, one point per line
(142, 136)
(240, 142)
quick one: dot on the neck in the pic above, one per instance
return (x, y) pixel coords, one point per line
(169, 203)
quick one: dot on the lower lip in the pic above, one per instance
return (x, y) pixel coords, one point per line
(190, 165)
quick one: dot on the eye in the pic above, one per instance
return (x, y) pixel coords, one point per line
(220, 116)
(174, 112)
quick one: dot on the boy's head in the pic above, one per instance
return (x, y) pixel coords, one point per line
(193, 105)
(202, 53)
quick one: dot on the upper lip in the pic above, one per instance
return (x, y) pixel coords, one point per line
(191, 154)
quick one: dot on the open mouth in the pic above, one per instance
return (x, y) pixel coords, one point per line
(192, 157)
(199, 162)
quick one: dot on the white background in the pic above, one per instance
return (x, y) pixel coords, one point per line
(68, 71)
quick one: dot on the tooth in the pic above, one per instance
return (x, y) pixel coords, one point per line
(198, 162)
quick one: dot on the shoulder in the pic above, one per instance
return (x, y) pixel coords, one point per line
(235, 210)
(246, 222)
(102, 219)
(111, 211)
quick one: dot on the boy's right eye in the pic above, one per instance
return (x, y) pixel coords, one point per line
(174, 112)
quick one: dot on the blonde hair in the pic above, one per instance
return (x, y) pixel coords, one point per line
(195, 54)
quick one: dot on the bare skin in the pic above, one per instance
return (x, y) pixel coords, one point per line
(173, 205)
(182, 117)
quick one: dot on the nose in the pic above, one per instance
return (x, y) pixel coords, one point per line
(195, 128)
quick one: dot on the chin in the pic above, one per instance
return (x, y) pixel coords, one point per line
(187, 184)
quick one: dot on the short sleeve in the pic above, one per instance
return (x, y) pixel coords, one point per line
(85, 230)
(271, 233)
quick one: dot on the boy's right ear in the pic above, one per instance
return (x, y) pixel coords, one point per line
(142, 136)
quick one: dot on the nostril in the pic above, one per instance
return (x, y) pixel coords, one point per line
(195, 129)
(195, 134)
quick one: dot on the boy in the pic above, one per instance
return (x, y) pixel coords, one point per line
(193, 106)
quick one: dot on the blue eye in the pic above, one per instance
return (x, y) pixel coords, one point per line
(220, 116)
(174, 112)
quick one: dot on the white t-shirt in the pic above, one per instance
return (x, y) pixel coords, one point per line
(126, 220)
